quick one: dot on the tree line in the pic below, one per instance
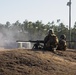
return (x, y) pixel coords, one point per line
(37, 30)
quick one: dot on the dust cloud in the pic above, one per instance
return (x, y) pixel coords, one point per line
(9, 36)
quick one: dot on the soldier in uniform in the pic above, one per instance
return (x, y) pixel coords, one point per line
(62, 43)
(50, 41)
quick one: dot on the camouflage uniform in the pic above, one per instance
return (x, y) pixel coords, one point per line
(62, 43)
(50, 41)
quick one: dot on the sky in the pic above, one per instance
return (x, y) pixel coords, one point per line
(33, 10)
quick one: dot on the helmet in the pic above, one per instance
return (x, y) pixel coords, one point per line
(63, 36)
(51, 31)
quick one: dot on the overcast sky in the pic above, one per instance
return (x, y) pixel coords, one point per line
(33, 10)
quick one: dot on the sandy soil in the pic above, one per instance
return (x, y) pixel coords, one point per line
(37, 62)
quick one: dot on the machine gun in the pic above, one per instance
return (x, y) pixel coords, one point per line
(38, 44)
(39, 41)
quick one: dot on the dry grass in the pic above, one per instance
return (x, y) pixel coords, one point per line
(30, 62)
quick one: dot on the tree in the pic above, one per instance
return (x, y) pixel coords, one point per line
(7, 24)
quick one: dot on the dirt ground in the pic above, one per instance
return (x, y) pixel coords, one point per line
(37, 62)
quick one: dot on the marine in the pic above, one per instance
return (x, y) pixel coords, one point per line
(51, 41)
(62, 43)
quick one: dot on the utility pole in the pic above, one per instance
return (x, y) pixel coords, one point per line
(69, 4)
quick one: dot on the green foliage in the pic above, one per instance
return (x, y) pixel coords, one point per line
(38, 30)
